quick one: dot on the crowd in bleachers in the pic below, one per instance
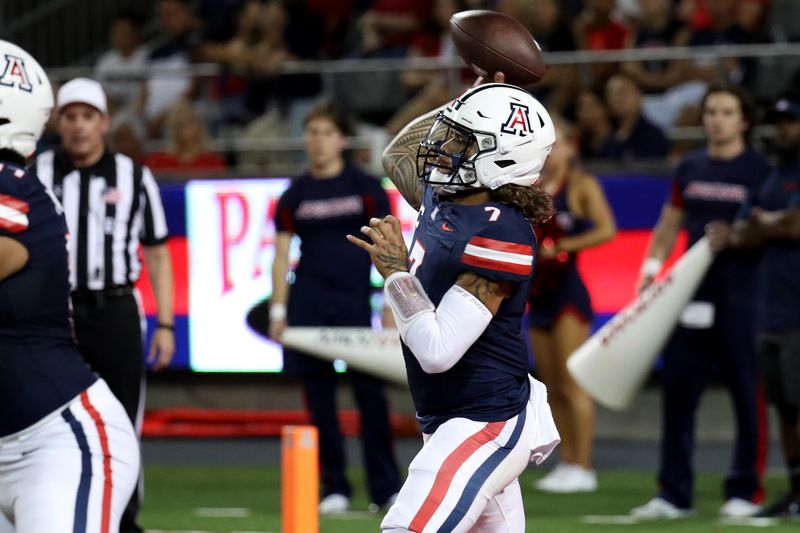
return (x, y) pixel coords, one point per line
(623, 111)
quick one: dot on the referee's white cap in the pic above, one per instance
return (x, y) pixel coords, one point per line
(82, 91)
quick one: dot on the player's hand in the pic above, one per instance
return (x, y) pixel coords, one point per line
(276, 328)
(644, 283)
(162, 348)
(388, 249)
(718, 234)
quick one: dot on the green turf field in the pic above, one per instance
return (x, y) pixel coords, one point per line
(192, 498)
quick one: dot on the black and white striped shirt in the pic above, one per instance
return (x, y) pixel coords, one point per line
(110, 207)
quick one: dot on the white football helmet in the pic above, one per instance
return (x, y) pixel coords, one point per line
(490, 136)
(26, 99)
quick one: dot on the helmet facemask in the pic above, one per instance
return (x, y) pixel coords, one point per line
(446, 156)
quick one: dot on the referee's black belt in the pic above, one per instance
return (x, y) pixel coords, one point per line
(100, 296)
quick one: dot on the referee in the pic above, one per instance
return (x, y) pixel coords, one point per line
(111, 205)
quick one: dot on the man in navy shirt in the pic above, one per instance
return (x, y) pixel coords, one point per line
(716, 328)
(458, 297)
(634, 137)
(773, 225)
(68, 452)
(332, 288)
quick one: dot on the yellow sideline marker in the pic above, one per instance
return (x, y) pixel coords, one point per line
(299, 479)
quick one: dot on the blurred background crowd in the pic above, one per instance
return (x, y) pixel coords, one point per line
(206, 86)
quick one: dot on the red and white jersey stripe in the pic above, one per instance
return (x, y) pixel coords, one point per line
(13, 214)
(499, 255)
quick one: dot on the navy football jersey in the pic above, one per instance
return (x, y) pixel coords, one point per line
(712, 189)
(779, 272)
(493, 240)
(40, 366)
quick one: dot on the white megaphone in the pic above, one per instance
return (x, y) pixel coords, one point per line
(377, 353)
(613, 363)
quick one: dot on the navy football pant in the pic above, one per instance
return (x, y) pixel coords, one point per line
(310, 305)
(383, 477)
(690, 357)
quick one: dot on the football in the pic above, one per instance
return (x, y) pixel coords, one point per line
(489, 41)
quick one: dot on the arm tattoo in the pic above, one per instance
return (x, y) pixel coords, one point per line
(400, 158)
(391, 258)
(490, 293)
(392, 264)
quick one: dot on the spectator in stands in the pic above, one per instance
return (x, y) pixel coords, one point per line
(750, 14)
(245, 54)
(712, 22)
(127, 56)
(337, 17)
(599, 26)
(219, 19)
(633, 137)
(430, 88)
(545, 20)
(188, 144)
(773, 225)
(174, 49)
(389, 26)
(668, 84)
(332, 288)
(560, 313)
(723, 29)
(656, 27)
(716, 330)
(125, 137)
(387, 29)
(269, 35)
(297, 94)
(593, 123)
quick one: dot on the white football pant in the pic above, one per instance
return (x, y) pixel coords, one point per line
(465, 476)
(73, 471)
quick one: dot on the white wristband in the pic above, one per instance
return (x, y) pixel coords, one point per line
(651, 267)
(277, 312)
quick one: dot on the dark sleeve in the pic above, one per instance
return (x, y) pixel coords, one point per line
(376, 201)
(676, 190)
(657, 144)
(154, 228)
(284, 213)
(608, 150)
(649, 141)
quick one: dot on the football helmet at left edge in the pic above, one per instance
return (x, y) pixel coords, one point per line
(26, 99)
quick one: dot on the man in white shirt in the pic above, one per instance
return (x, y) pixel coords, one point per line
(127, 57)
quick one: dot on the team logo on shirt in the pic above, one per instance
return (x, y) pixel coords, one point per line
(518, 121)
(15, 74)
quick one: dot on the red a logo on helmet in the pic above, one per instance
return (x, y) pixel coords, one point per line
(15, 74)
(518, 121)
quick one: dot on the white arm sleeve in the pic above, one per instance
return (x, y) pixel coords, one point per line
(438, 337)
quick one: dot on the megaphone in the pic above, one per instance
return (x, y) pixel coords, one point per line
(612, 364)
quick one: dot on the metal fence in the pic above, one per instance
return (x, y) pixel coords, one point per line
(776, 64)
